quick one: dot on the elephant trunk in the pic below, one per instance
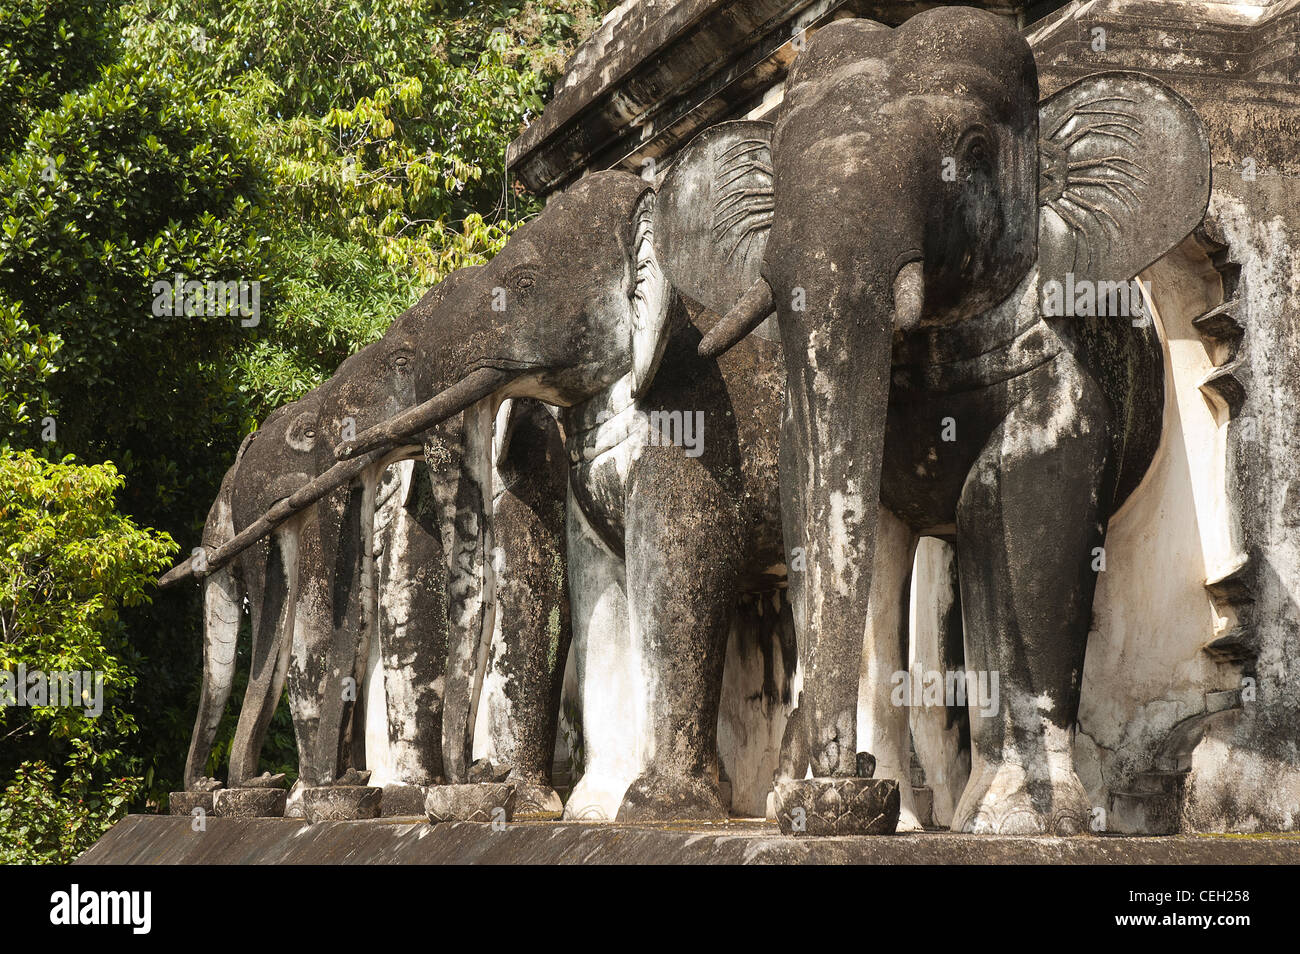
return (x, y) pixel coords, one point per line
(470, 591)
(837, 354)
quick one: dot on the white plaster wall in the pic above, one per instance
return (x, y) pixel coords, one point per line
(938, 748)
(378, 758)
(1144, 670)
(750, 726)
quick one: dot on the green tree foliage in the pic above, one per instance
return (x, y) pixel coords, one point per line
(382, 127)
(344, 155)
(68, 561)
(26, 363)
(47, 47)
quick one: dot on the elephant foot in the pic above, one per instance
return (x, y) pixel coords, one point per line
(907, 820)
(535, 798)
(661, 797)
(594, 798)
(293, 806)
(1006, 800)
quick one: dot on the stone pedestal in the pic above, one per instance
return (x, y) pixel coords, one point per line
(341, 802)
(837, 806)
(249, 802)
(534, 798)
(157, 839)
(184, 803)
(403, 800)
(481, 802)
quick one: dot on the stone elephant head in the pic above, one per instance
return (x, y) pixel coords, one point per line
(923, 200)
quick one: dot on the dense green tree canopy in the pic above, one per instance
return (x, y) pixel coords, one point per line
(331, 159)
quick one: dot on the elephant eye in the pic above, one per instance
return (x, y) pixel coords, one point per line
(524, 282)
(309, 433)
(402, 361)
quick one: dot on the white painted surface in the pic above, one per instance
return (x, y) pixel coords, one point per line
(883, 726)
(610, 685)
(1145, 671)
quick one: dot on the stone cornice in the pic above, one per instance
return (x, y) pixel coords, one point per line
(658, 71)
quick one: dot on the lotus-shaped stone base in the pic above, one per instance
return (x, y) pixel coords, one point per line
(837, 806)
(476, 802)
(341, 802)
(402, 799)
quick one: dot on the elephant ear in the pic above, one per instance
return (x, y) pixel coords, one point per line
(648, 296)
(1124, 178)
(715, 213)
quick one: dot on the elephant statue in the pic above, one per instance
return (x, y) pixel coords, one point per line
(271, 461)
(672, 501)
(318, 594)
(926, 213)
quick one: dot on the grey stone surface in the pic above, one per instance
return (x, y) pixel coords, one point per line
(536, 798)
(249, 802)
(678, 66)
(184, 803)
(151, 839)
(403, 801)
(483, 770)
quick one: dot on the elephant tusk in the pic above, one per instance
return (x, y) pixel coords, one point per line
(755, 305)
(279, 512)
(909, 296)
(469, 390)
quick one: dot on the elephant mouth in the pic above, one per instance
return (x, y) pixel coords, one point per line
(501, 364)
(473, 387)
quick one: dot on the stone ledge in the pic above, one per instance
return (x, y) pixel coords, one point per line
(160, 839)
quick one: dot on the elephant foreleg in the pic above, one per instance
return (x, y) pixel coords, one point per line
(413, 623)
(530, 644)
(682, 573)
(273, 614)
(221, 618)
(312, 631)
(1030, 524)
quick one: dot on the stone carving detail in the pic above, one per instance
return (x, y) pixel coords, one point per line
(341, 802)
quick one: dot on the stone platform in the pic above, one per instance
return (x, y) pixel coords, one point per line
(160, 839)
